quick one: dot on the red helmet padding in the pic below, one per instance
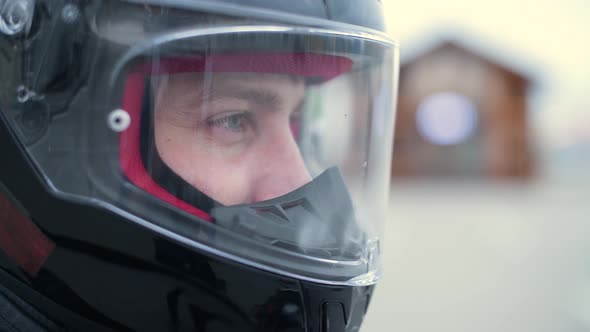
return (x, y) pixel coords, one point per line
(300, 64)
(130, 152)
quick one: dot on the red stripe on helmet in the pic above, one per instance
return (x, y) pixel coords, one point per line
(21, 239)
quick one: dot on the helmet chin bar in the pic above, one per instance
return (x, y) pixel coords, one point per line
(316, 220)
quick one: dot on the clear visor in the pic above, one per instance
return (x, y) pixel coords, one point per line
(267, 145)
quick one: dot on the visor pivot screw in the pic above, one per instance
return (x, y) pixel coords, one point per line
(70, 13)
(15, 16)
(119, 120)
(23, 94)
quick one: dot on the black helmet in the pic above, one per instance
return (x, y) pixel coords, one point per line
(198, 165)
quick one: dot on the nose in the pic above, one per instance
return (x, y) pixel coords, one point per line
(281, 167)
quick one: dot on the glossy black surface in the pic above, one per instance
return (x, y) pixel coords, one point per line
(108, 273)
(365, 13)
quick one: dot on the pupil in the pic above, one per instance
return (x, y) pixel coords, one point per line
(234, 121)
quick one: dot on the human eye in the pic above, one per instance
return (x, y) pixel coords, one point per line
(231, 127)
(234, 121)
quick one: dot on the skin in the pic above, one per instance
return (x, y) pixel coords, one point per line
(229, 134)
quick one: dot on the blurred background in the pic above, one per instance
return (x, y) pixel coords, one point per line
(489, 224)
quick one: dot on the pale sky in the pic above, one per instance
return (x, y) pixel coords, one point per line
(552, 36)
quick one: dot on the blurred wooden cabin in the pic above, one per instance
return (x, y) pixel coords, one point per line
(461, 112)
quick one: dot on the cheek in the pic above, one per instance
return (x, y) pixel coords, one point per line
(171, 145)
(218, 175)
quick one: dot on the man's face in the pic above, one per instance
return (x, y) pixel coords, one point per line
(229, 134)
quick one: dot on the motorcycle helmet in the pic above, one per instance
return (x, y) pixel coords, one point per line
(194, 165)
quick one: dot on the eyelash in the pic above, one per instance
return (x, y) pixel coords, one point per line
(223, 120)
